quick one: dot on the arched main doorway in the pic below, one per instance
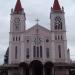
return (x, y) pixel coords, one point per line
(36, 67)
(48, 68)
(24, 68)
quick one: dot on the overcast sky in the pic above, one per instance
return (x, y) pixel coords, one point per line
(34, 9)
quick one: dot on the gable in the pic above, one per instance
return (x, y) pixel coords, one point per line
(41, 30)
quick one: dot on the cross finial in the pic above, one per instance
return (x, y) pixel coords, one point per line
(37, 20)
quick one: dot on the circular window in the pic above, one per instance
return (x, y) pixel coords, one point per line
(47, 40)
(27, 41)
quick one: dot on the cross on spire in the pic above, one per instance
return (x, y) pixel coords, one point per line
(37, 20)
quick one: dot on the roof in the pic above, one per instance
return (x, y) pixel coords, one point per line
(37, 29)
(56, 5)
(18, 6)
(39, 26)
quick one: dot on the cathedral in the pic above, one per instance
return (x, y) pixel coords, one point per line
(38, 50)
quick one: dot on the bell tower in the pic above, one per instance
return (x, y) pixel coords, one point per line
(58, 29)
(17, 22)
(57, 17)
(17, 27)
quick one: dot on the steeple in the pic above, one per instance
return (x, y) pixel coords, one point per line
(56, 5)
(18, 7)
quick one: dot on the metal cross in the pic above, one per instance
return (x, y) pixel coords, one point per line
(37, 20)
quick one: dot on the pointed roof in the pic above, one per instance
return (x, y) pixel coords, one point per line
(56, 5)
(18, 6)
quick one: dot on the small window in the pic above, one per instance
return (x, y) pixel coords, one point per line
(16, 52)
(19, 38)
(61, 37)
(61, 26)
(58, 37)
(37, 51)
(56, 27)
(59, 49)
(27, 53)
(40, 51)
(34, 51)
(16, 38)
(47, 52)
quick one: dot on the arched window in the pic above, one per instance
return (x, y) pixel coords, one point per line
(16, 50)
(58, 23)
(61, 26)
(34, 51)
(47, 52)
(61, 37)
(17, 23)
(16, 38)
(56, 27)
(40, 51)
(27, 53)
(55, 37)
(58, 37)
(19, 38)
(37, 51)
(59, 49)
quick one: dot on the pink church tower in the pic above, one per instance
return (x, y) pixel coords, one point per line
(17, 29)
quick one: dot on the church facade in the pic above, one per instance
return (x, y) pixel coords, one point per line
(38, 50)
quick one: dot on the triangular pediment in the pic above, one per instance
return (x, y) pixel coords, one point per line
(38, 28)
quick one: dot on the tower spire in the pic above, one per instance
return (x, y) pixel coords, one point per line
(56, 5)
(18, 6)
